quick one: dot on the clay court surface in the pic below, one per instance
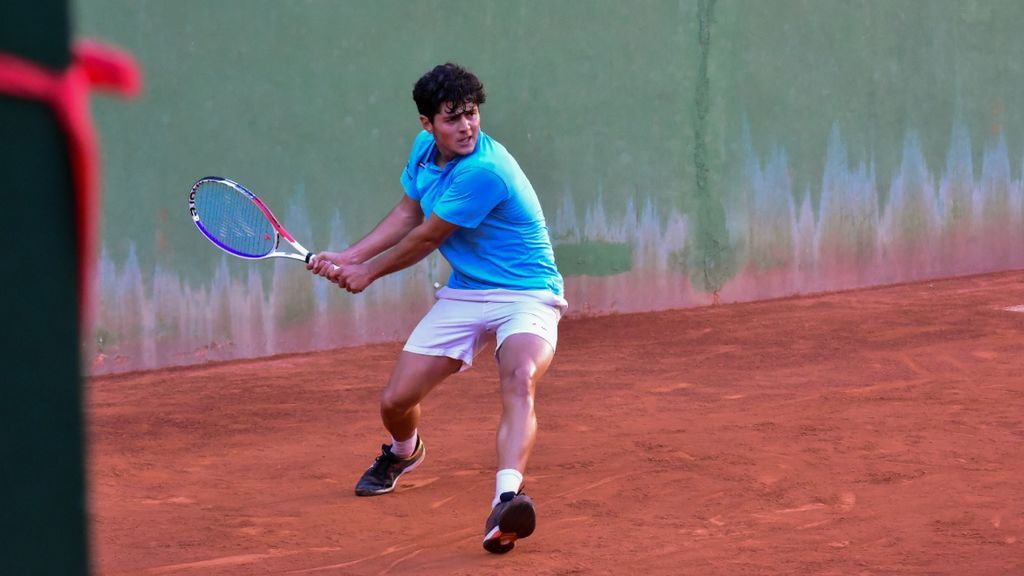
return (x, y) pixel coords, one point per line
(876, 431)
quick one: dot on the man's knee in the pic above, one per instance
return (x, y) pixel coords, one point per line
(393, 401)
(519, 381)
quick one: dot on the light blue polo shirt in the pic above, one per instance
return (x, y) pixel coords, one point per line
(502, 241)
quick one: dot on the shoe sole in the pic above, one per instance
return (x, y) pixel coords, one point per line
(517, 521)
(395, 483)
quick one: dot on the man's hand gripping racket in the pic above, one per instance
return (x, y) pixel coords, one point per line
(239, 223)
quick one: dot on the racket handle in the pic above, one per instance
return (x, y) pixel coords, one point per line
(309, 256)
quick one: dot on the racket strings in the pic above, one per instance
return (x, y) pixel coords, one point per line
(234, 221)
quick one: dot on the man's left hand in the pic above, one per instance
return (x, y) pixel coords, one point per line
(352, 277)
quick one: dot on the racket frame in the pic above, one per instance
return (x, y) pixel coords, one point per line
(280, 231)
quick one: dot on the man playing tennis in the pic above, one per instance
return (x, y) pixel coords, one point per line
(465, 195)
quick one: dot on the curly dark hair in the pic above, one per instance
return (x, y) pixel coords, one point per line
(448, 83)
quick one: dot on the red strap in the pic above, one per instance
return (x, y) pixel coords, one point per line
(67, 92)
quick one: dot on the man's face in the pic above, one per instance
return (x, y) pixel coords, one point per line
(455, 131)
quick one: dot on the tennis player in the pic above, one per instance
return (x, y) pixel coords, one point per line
(466, 196)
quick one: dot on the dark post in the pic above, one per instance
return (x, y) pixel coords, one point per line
(42, 475)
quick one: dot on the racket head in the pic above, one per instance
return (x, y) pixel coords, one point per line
(233, 218)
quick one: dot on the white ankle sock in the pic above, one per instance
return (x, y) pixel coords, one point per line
(404, 448)
(507, 480)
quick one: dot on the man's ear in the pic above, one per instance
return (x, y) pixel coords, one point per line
(426, 124)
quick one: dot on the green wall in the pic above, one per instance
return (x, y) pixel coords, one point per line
(314, 98)
(685, 152)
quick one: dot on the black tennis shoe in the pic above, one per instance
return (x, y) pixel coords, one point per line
(512, 518)
(381, 477)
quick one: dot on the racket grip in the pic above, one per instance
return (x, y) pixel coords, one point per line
(309, 256)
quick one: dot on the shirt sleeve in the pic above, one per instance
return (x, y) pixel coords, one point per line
(412, 166)
(471, 197)
(408, 179)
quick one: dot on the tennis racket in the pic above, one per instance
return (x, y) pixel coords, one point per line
(238, 222)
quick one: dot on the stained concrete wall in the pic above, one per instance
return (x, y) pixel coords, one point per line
(685, 152)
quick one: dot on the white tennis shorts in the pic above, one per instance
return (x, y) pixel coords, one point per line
(460, 322)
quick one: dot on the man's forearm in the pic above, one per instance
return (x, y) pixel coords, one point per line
(386, 234)
(415, 246)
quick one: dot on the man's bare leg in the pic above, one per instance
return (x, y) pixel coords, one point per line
(412, 378)
(523, 359)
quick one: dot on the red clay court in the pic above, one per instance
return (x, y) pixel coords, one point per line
(875, 431)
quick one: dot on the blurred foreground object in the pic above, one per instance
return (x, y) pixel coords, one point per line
(50, 185)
